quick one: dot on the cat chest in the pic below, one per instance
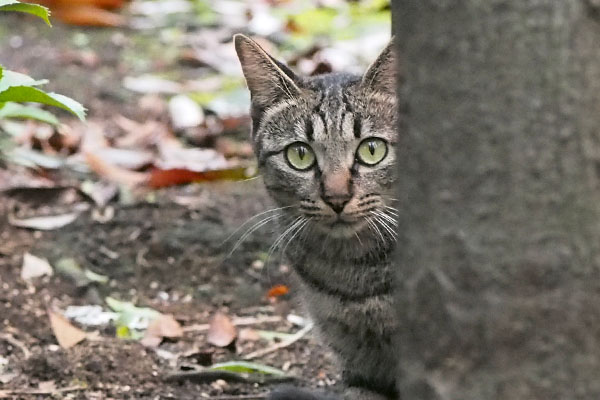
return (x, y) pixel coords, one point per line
(373, 317)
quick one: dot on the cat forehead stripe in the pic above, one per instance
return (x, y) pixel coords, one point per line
(272, 112)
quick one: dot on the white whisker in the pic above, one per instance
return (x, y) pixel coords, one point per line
(281, 237)
(249, 220)
(251, 230)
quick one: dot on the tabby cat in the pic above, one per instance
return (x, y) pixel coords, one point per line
(325, 148)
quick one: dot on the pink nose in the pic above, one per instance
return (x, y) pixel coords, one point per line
(336, 189)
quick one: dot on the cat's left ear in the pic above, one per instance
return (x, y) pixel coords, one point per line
(382, 74)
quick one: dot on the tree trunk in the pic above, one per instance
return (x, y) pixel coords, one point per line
(499, 257)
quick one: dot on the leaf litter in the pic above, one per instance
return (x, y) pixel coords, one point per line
(139, 142)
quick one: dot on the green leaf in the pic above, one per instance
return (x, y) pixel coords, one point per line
(94, 277)
(123, 332)
(315, 21)
(11, 78)
(247, 367)
(14, 110)
(30, 94)
(131, 316)
(34, 9)
(272, 335)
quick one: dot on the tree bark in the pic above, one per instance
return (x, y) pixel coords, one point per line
(499, 256)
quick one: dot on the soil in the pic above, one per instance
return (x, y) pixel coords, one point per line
(166, 252)
(162, 255)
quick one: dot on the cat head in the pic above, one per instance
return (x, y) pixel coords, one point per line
(325, 144)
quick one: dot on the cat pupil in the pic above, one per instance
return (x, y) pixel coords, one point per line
(301, 153)
(372, 148)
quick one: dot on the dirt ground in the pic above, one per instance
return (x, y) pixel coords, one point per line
(162, 255)
(167, 253)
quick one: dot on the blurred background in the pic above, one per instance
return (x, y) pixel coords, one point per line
(129, 267)
(163, 71)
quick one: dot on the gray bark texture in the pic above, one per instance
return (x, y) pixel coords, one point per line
(499, 257)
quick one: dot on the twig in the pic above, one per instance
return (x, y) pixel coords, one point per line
(242, 397)
(7, 337)
(206, 376)
(277, 346)
(241, 321)
(4, 394)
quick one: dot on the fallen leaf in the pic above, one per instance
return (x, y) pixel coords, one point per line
(249, 335)
(247, 367)
(138, 135)
(84, 15)
(3, 364)
(151, 84)
(114, 173)
(47, 386)
(81, 277)
(174, 155)
(91, 315)
(125, 158)
(6, 378)
(46, 223)
(185, 112)
(221, 332)
(130, 316)
(34, 267)
(96, 3)
(66, 334)
(165, 326)
(151, 8)
(177, 176)
(101, 192)
(277, 291)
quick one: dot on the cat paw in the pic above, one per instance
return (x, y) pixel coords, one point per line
(294, 393)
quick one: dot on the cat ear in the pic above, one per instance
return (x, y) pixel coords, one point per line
(382, 74)
(269, 80)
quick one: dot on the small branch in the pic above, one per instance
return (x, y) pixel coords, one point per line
(284, 343)
(207, 376)
(241, 321)
(7, 337)
(5, 394)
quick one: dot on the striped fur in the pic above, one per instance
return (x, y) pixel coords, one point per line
(341, 259)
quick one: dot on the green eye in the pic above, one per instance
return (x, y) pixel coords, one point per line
(300, 156)
(371, 151)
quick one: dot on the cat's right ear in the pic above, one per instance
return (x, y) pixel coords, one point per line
(269, 81)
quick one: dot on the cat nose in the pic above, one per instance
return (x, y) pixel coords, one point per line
(337, 203)
(336, 190)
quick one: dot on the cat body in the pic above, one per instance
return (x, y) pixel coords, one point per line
(325, 148)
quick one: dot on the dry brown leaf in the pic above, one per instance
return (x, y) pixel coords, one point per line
(169, 177)
(66, 334)
(249, 335)
(137, 135)
(66, 3)
(84, 15)
(113, 173)
(222, 331)
(278, 291)
(47, 386)
(165, 326)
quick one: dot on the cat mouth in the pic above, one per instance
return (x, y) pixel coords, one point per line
(339, 222)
